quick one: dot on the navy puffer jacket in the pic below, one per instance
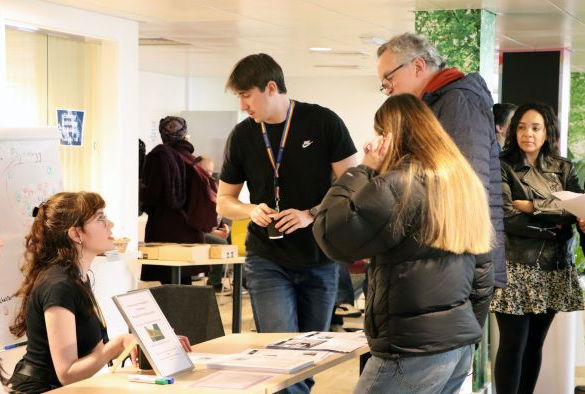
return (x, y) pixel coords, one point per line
(464, 108)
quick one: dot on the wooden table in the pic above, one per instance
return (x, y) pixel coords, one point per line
(237, 292)
(233, 343)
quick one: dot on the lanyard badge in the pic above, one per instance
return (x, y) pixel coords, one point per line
(276, 163)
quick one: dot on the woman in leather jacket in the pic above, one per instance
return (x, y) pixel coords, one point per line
(542, 279)
(418, 210)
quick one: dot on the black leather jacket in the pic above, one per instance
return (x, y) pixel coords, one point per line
(546, 236)
(420, 299)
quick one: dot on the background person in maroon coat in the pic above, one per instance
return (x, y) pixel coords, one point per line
(178, 196)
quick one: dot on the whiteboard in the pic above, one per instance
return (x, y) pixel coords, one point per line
(30, 172)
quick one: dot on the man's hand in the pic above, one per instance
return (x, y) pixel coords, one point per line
(581, 224)
(291, 220)
(259, 214)
(525, 206)
(222, 231)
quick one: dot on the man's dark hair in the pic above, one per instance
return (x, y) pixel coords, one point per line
(502, 112)
(256, 71)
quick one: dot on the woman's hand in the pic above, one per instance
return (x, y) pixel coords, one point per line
(525, 206)
(184, 343)
(126, 341)
(375, 152)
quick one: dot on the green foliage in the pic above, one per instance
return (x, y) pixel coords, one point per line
(577, 116)
(580, 169)
(455, 33)
(579, 260)
(577, 142)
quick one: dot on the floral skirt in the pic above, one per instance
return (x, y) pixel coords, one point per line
(532, 290)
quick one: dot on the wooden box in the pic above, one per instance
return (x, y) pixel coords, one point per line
(223, 251)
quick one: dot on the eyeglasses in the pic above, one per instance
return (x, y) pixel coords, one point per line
(103, 219)
(387, 88)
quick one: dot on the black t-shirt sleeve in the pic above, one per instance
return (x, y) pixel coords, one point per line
(232, 170)
(58, 293)
(340, 143)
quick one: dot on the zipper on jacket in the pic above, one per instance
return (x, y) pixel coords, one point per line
(540, 252)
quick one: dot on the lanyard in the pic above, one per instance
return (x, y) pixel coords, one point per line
(276, 163)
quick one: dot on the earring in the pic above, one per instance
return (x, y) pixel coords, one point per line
(79, 242)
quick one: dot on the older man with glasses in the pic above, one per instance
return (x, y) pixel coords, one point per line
(409, 63)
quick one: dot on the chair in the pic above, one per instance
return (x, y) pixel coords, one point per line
(191, 311)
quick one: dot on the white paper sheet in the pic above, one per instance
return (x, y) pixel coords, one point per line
(269, 360)
(239, 380)
(340, 342)
(572, 202)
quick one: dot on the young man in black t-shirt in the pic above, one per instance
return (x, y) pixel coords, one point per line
(292, 284)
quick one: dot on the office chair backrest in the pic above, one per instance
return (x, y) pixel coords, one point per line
(191, 311)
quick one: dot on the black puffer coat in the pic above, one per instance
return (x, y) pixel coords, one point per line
(546, 236)
(420, 299)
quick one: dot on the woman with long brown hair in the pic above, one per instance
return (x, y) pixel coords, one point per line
(418, 210)
(67, 338)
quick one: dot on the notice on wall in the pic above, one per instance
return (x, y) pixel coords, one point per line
(70, 125)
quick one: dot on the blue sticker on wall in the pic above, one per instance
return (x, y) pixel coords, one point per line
(70, 124)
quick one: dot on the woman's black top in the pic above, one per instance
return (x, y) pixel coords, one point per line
(35, 372)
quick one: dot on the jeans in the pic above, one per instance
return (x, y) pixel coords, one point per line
(345, 293)
(436, 373)
(285, 300)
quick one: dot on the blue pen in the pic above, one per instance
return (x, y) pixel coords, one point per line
(14, 345)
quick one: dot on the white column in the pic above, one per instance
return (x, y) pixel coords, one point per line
(564, 98)
(557, 374)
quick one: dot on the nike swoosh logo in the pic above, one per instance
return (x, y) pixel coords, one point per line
(307, 143)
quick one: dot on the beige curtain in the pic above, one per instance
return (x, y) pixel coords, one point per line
(46, 72)
(26, 78)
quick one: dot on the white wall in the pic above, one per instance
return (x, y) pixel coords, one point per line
(117, 172)
(354, 99)
(160, 95)
(121, 154)
(208, 94)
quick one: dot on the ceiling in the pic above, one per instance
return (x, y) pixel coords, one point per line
(206, 37)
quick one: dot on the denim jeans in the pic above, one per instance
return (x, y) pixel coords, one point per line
(345, 293)
(436, 373)
(285, 300)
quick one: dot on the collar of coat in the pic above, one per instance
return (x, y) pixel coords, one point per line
(546, 163)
